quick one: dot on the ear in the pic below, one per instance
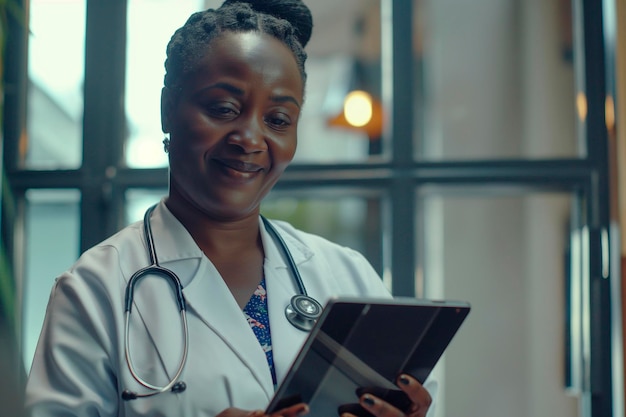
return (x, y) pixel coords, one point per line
(167, 107)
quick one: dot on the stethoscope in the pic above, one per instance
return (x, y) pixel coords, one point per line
(302, 311)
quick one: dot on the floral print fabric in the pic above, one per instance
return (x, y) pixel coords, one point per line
(258, 318)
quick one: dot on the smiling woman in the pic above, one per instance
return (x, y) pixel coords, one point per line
(234, 89)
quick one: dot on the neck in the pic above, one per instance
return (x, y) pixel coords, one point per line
(234, 247)
(218, 237)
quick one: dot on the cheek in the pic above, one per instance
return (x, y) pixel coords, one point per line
(193, 138)
(286, 149)
(189, 123)
(185, 152)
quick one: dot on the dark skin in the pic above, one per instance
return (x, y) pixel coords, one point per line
(233, 131)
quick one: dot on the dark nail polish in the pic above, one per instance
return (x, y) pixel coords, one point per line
(404, 380)
(368, 400)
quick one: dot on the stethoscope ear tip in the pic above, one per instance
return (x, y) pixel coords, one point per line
(128, 395)
(180, 386)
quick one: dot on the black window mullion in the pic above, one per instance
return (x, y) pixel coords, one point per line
(593, 83)
(14, 87)
(104, 122)
(397, 67)
(13, 119)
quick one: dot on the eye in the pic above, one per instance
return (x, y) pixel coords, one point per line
(278, 121)
(223, 110)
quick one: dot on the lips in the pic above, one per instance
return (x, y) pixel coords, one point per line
(238, 167)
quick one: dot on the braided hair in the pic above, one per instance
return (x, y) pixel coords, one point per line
(289, 21)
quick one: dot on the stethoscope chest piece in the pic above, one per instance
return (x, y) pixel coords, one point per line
(303, 312)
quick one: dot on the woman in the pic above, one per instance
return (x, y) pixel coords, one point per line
(233, 93)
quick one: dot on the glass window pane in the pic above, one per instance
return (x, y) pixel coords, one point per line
(55, 89)
(52, 236)
(145, 57)
(344, 57)
(352, 221)
(344, 54)
(495, 80)
(506, 255)
(139, 200)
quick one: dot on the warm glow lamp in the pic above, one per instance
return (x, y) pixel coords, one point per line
(361, 111)
(358, 108)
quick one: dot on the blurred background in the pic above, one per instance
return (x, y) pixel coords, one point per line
(470, 149)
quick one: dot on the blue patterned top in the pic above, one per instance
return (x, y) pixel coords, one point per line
(259, 320)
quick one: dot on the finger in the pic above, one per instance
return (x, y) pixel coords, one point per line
(420, 397)
(378, 407)
(238, 412)
(292, 411)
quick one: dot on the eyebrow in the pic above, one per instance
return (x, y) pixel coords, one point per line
(223, 86)
(239, 92)
(285, 99)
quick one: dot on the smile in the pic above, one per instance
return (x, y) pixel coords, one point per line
(238, 168)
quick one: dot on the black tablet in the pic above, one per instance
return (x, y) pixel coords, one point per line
(361, 345)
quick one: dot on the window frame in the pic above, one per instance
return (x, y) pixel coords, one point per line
(103, 179)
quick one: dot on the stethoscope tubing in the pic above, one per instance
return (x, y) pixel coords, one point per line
(177, 287)
(302, 311)
(156, 389)
(292, 264)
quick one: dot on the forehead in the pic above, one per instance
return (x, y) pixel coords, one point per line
(249, 55)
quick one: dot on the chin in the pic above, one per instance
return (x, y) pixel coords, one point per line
(230, 211)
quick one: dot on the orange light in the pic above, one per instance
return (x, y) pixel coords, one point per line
(609, 112)
(581, 106)
(362, 112)
(358, 108)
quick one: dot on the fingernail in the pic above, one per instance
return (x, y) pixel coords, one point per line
(367, 399)
(304, 410)
(404, 380)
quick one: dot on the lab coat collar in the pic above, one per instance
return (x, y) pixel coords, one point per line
(171, 240)
(275, 257)
(174, 242)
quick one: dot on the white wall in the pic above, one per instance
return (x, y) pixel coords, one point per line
(498, 87)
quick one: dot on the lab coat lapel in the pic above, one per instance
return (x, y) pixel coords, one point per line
(281, 287)
(208, 296)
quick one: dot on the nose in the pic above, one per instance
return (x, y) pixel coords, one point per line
(250, 135)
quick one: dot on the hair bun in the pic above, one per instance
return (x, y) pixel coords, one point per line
(294, 11)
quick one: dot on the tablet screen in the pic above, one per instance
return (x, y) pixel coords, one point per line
(364, 344)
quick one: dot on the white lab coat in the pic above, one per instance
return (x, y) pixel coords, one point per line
(79, 368)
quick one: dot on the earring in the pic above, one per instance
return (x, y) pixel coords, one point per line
(166, 145)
